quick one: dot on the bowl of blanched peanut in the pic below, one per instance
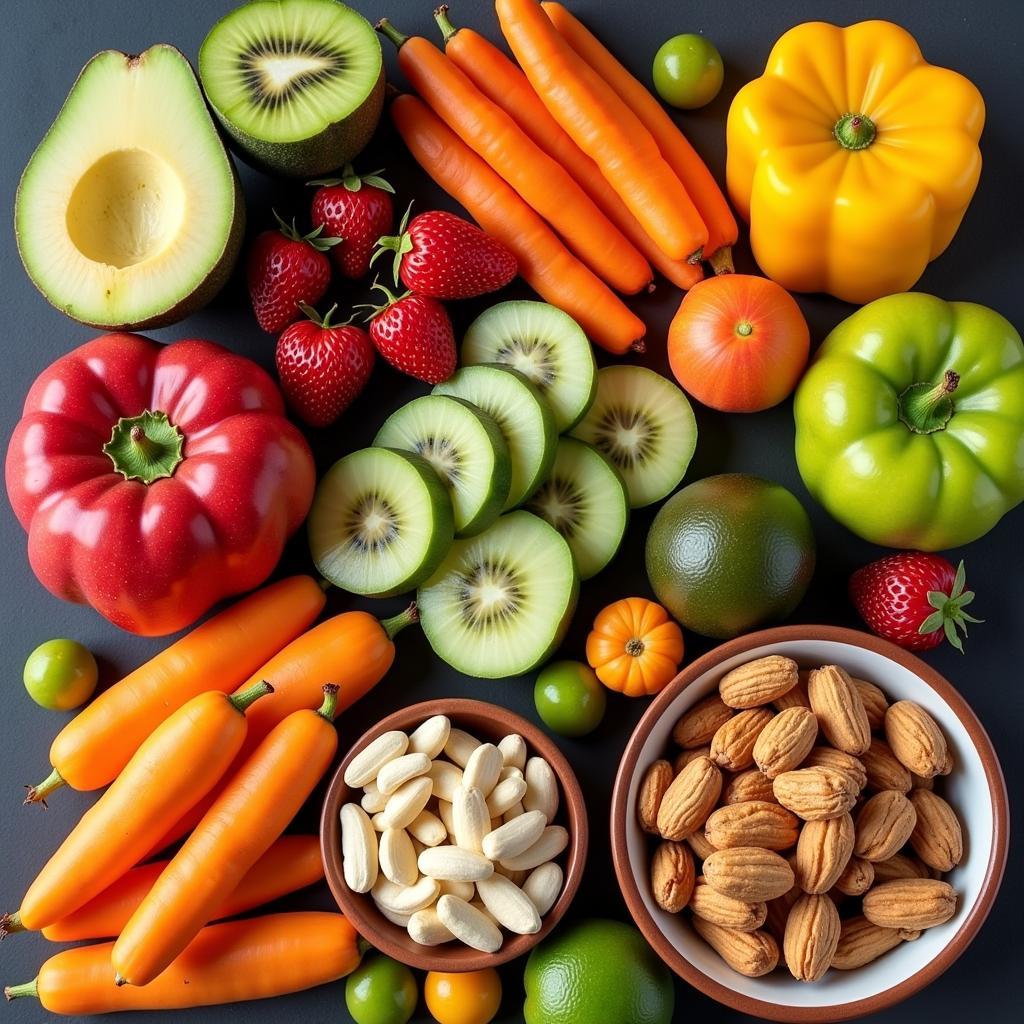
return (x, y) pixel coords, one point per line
(454, 835)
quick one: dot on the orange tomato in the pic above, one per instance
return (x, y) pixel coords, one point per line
(469, 998)
(634, 647)
(738, 343)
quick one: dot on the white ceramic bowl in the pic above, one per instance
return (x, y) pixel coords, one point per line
(975, 789)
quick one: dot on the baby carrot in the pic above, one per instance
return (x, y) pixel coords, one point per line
(90, 751)
(544, 262)
(605, 128)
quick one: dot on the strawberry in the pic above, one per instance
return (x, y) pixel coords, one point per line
(285, 268)
(446, 257)
(358, 210)
(323, 366)
(913, 599)
(414, 334)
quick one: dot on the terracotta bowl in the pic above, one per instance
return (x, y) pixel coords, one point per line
(489, 723)
(975, 789)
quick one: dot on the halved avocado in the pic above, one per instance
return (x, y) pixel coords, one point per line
(297, 84)
(129, 213)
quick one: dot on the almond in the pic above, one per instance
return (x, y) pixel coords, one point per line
(815, 793)
(672, 876)
(684, 757)
(875, 702)
(752, 784)
(752, 823)
(937, 837)
(655, 782)
(689, 799)
(910, 903)
(884, 824)
(883, 769)
(758, 682)
(823, 852)
(795, 698)
(749, 953)
(726, 912)
(785, 741)
(812, 934)
(702, 849)
(748, 873)
(860, 942)
(778, 911)
(840, 710)
(916, 739)
(701, 722)
(857, 877)
(732, 746)
(845, 764)
(899, 865)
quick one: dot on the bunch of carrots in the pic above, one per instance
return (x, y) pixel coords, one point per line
(221, 737)
(566, 158)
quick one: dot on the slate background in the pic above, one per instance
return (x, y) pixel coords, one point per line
(43, 45)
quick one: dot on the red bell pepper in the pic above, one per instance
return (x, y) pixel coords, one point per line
(154, 480)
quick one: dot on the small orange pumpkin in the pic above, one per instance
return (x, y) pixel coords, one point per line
(634, 647)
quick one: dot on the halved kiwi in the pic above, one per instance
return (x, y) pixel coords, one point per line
(584, 498)
(380, 523)
(545, 345)
(501, 602)
(523, 417)
(466, 450)
(297, 84)
(645, 426)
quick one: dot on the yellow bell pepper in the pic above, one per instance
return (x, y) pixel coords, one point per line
(853, 159)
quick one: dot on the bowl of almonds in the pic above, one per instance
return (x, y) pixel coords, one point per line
(454, 835)
(809, 824)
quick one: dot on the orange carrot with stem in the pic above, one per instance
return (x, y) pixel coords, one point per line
(604, 127)
(541, 181)
(93, 748)
(292, 863)
(674, 146)
(503, 83)
(544, 262)
(225, 963)
(251, 811)
(179, 764)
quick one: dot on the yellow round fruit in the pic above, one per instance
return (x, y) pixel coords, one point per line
(469, 998)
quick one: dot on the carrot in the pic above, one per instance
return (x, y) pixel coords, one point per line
(503, 83)
(353, 647)
(93, 748)
(292, 863)
(252, 810)
(605, 129)
(684, 160)
(544, 262)
(226, 963)
(541, 181)
(181, 762)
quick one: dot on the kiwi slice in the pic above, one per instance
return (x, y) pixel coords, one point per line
(545, 345)
(523, 417)
(380, 523)
(466, 450)
(501, 602)
(644, 424)
(584, 498)
(297, 84)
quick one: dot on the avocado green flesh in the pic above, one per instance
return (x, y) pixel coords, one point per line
(297, 84)
(729, 553)
(129, 213)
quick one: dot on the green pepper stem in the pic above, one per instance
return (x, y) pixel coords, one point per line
(397, 623)
(10, 924)
(330, 704)
(38, 794)
(444, 23)
(248, 696)
(29, 988)
(385, 28)
(926, 407)
(744, 329)
(146, 447)
(855, 131)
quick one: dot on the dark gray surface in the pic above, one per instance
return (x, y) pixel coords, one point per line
(43, 45)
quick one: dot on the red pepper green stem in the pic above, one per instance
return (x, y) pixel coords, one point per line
(397, 623)
(444, 23)
(29, 988)
(38, 794)
(248, 696)
(926, 408)
(147, 447)
(385, 28)
(330, 704)
(855, 131)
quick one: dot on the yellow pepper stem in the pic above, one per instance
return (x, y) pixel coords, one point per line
(855, 131)
(926, 408)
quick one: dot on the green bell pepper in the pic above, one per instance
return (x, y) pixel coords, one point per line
(910, 422)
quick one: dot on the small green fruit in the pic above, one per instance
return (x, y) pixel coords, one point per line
(381, 991)
(60, 675)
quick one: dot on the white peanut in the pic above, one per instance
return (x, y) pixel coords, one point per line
(406, 802)
(551, 843)
(406, 899)
(397, 856)
(402, 920)
(372, 800)
(543, 886)
(459, 746)
(509, 905)
(483, 768)
(453, 864)
(426, 928)
(358, 849)
(514, 811)
(427, 828)
(400, 770)
(468, 924)
(430, 737)
(541, 788)
(446, 778)
(446, 812)
(513, 751)
(464, 890)
(505, 795)
(363, 768)
(470, 818)
(515, 836)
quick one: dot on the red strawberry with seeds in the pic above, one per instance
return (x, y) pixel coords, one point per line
(358, 210)
(414, 334)
(914, 599)
(446, 257)
(285, 268)
(323, 366)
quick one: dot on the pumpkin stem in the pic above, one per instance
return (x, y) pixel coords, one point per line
(634, 647)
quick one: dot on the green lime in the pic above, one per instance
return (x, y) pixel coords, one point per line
(594, 971)
(729, 553)
(60, 675)
(381, 991)
(569, 697)
(688, 71)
